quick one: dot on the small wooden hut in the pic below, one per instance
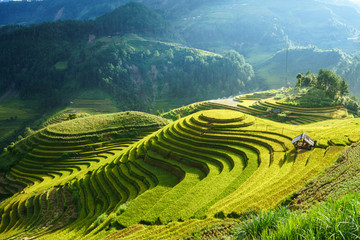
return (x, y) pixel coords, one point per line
(276, 110)
(303, 141)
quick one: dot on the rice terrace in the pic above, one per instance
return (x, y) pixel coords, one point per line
(133, 175)
(179, 119)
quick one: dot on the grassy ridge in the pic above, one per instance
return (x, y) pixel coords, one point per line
(96, 124)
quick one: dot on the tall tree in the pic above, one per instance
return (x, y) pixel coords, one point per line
(328, 81)
(343, 88)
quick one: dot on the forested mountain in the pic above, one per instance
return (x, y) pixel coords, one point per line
(54, 60)
(258, 30)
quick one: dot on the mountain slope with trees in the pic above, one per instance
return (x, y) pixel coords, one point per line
(220, 26)
(50, 59)
(124, 53)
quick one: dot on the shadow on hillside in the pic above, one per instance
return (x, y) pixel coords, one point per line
(289, 157)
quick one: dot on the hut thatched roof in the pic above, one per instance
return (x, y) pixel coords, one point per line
(305, 137)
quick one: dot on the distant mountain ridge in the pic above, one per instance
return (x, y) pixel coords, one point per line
(217, 25)
(36, 12)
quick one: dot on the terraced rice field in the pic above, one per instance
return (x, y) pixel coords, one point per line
(160, 183)
(339, 180)
(258, 105)
(64, 116)
(37, 192)
(15, 114)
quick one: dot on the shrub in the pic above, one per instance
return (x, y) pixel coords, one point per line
(121, 209)
(28, 131)
(282, 117)
(279, 96)
(100, 219)
(71, 116)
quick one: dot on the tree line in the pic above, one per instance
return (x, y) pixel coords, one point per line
(327, 86)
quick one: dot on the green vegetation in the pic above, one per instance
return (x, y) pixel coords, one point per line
(36, 12)
(105, 122)
(337, 181)
(300, 59)
(117, 171)
(334, 219)
(219, 168)
(80, 55)
(286, 110)
(62, 59)
(314, 98)
(331, 83)
(55, 53)
(325, 89)
(61, 65)
(173, 71)
(15, 116)
(84, 132)
(350, 69)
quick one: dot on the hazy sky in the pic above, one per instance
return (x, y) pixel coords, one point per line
(355, 1)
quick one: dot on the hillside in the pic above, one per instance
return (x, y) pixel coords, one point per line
(209, 25)
(135, 50)
(221, 24)
(134, 175)
(82, 155)
(36, 12)
(350, 69)
(46, 45)
(123, 54)
(299, 60)
(58, 59)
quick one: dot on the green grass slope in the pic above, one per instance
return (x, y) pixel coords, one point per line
(15, 115)
(36, 185)
(269, 183)
(339, 180)
(95, 175)
(300, 60)
(264, 104)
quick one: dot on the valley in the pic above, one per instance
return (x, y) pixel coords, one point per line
(179, 119)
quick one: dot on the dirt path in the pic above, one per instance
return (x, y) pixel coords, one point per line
(227, 101)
